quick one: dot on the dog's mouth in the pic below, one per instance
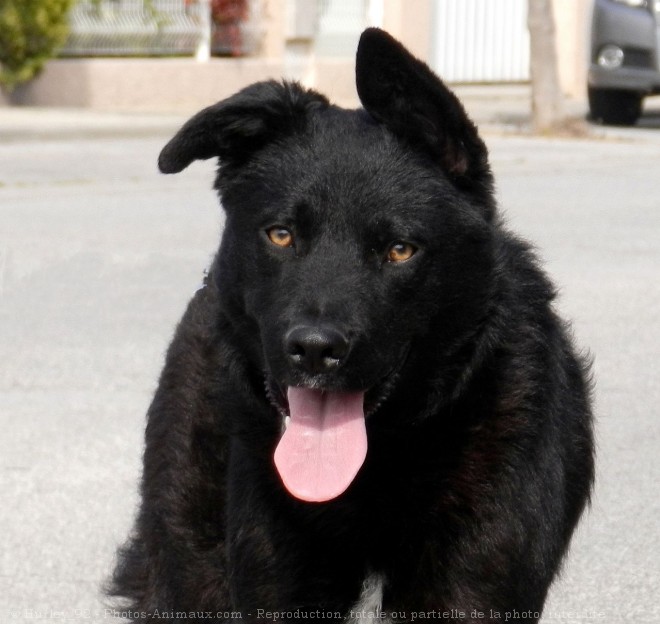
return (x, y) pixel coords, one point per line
(324, 436)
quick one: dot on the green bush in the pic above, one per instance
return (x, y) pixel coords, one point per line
(30, 33)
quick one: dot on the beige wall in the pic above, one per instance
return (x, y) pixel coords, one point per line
(573, 22)
(410, 21)
(158, 85)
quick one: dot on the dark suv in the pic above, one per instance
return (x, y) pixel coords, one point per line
(625, 65)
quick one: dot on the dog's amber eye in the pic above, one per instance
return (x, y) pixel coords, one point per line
(400, 252)
(280, 236)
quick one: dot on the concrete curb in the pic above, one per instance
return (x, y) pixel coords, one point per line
(496, 109)
(504, 107)
(36, 123)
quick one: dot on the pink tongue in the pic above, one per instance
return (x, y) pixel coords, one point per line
(324, 445)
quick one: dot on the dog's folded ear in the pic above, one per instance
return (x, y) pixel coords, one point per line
(403, 93)
(235, 128)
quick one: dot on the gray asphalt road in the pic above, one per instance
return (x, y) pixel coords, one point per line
(98, 256)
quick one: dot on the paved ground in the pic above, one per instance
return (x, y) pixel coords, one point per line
(99, 254)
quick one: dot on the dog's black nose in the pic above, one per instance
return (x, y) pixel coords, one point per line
(316, 349)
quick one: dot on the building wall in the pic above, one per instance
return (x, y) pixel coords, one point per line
(184, 85)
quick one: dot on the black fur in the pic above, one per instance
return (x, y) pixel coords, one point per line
(480, 456)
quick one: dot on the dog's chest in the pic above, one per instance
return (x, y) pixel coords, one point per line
(368, 609)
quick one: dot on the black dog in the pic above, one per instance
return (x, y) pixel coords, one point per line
(371, 408)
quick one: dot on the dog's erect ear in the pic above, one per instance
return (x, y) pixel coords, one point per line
(403, 93)
(238, 126)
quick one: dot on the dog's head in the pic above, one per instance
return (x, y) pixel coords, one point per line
(357, 245)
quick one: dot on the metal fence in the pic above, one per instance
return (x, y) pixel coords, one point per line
(481, 40)
(154, 28)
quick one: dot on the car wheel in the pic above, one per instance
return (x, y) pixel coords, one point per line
(614, 107)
